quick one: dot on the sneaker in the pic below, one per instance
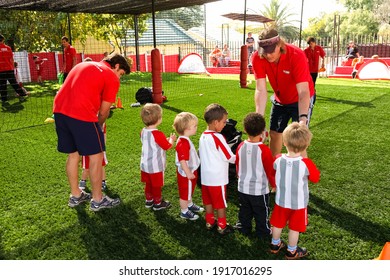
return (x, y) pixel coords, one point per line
(223, 231)
(238, 225)
(149, 203)
(189, 215)
(162, 205)
(104, 186)
(82, 184)
(274, 249)
(74, 201)
(297, 254)
(106, 202)
(211, 226)
(195, 208)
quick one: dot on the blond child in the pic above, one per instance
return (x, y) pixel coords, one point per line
(215, 156)
(153, 157)
(254, 165)
(292, 190)
(187, 162)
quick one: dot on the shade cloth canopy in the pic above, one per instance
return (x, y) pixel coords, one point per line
(133, 7)
(248, 17)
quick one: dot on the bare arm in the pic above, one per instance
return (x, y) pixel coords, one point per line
(104, 112)
(186, 169)
(303, 100)
(261, 96)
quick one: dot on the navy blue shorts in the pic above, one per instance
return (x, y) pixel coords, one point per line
(86, 138)
(282, 114)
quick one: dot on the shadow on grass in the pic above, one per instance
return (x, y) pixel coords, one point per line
(347, 102)
(12, 108)
(365, 230)
(117, 234)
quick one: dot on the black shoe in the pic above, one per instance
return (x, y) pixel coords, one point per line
(274, 249)
(211, 226)
(162, 205)
(223, 231)
(297, 254)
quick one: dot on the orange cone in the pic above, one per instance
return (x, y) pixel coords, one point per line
(119, 103)
(385, 254)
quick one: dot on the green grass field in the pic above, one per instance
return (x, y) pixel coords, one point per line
(348, 208)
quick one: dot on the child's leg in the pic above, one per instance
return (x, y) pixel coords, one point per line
(261, 212)
(245, 214)
(293, 237)
(148, 192)
(184, 205)
(221, 214)
(85, 174)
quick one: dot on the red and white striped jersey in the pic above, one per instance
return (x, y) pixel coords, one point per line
(215, 155)
(254, 165)
(154, 146)
(292, 176)
(185, 150)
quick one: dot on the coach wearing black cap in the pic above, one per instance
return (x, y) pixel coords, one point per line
(287, 70)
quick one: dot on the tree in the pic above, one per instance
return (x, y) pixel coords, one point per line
(185, 17)
(282, 19)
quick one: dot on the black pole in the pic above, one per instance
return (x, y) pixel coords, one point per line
(154, 23)
(69, 30)
(300, 27)
(137, 62)
(244, 22)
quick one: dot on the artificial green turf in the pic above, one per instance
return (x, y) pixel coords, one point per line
(348, 208)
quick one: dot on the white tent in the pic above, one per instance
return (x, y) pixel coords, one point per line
(374, 70)
(192, 64)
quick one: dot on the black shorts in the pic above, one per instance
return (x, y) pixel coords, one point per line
(282, 114)
(86, 138)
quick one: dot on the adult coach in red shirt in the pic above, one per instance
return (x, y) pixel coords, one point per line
(287, 70)
(7, 72)
(81, 107)
(70, 60)
(313, 53)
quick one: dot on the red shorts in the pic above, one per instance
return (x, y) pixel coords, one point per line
(297, 219)
(85, 161)
(215, 196)
(186, 187)
(154, 179)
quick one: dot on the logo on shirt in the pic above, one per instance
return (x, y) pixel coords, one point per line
(286, 72)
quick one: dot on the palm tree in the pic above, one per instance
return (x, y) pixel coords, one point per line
(281, 16)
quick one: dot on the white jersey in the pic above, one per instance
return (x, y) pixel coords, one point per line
(185, 150)
(154, 144)
(215, 156)
(292, 182)
(252, 161)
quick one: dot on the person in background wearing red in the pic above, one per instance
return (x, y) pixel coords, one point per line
(7, 73)
(69, 56)
(38, 65)
(313, 53)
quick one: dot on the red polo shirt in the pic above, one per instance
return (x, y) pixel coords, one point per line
(6, 57)
(313, 57)
(88, 84)
(283, 76)
(70, 53)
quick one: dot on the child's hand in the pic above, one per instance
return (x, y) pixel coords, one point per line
(190, 176)
(172, 137)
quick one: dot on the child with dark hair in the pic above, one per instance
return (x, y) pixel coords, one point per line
(215, 155)
(254, 170)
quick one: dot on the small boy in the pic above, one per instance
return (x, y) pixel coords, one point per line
(254, 163)
(153, 158)
(85, 166)
(215, 155)
(38, 65)
(292, 190)
(187, 162)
